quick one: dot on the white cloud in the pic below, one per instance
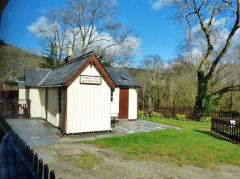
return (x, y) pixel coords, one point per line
(41, 23)
(161, 3)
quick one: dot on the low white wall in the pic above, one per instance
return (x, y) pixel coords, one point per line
(88, 106)
(115, 103)
(132, 103)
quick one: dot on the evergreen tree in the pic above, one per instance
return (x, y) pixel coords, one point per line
(51, 57)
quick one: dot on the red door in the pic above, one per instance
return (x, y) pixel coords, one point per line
(123, 104)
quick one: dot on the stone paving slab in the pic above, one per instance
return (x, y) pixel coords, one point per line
(38, 132)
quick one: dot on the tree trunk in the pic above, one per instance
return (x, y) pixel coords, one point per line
(202, 99)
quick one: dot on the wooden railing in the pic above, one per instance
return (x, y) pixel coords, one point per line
(194, 114)
(229, 128)
(15, 108)
(17, 154)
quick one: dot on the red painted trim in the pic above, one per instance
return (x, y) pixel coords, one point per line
(93, 59)
(65, 110)
(137, 103)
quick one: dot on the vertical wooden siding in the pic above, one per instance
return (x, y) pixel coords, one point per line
(88, 106)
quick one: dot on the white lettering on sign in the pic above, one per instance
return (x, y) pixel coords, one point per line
(95, 80)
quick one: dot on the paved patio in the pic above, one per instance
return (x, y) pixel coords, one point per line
(38, 132)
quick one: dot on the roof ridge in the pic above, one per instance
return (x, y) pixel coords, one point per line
(116, 69)
(37, 68)
(76, 59)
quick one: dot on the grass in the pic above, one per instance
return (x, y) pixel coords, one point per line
(86, 160)
(193, 144)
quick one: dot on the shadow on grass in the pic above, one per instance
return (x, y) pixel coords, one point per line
(212, 135)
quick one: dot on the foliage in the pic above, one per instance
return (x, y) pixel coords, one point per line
(156, 114)
(205, 119)
(171, 85)
(193, 144)
(51, 60)
(180, 117)
(175, 85)
(13, 60)
(152, 114)
(214, 44)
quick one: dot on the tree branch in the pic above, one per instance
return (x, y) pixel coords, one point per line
(226, 89)
(227, 45)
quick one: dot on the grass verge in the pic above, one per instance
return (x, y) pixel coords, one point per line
(86, 160)
(193, 144)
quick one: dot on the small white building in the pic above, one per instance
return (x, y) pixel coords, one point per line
(80, 95)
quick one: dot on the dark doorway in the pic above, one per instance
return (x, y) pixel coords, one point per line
(123, 104)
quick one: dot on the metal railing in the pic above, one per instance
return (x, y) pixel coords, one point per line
(15, 108)
(229, 128)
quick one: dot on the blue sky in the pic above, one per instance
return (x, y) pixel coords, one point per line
(149, 20)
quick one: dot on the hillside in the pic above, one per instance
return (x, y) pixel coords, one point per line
(13, 60)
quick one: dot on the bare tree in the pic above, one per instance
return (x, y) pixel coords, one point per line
(151, 81)
(87, 25)
(204, 12)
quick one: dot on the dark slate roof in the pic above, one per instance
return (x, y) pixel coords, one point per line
(21, 84)
(33, 76)
(122, 78)
(59, 75)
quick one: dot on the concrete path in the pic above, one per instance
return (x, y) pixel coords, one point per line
(38, 132)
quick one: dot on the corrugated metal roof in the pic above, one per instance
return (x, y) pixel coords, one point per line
(122, 78)
(57, 76)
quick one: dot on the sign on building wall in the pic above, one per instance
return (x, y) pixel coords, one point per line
(94, 80)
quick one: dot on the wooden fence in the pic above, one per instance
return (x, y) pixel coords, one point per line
(15, 108)
(193, 114)
(8, 90)
(229, 128)
(30, 166)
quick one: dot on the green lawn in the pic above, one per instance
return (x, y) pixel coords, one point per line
(193, 144)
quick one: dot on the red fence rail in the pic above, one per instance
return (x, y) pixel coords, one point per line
(193, 114)
(15, 108)
(228, 128)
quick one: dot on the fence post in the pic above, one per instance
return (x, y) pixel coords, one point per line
(46, 171)
(35, 161)
(40, 168)
(52, 175)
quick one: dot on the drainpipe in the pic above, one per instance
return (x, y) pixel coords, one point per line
(65, 110)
